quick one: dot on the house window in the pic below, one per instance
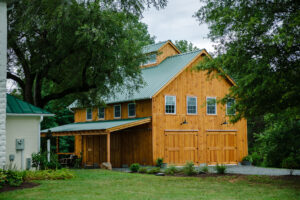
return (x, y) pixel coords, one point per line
(151, 59)
(229, 107)
(170, 104)
(191, 105)
(89, 114)
(117, 111)
(131, 110)
(211, 105)
(101, 113)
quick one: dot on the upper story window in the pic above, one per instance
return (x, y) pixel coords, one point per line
(89, 114)
(151, 59)
(131, 110)
(191, 105)
(101, 113)
(229, 107)
(211, 105)
(117, 111)
(170, 104)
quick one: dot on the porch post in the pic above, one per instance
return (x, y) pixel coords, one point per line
(108, 146)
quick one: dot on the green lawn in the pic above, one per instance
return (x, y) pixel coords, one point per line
(100, 184)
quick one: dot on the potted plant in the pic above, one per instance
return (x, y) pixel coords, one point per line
(160, 163)
(247, 160)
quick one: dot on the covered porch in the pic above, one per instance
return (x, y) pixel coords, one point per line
(119, 142)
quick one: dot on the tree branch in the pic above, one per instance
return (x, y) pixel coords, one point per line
(17, 79)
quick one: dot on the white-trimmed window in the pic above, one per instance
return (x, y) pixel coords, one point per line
(170, 104)
(101, 113)
(191, 105)
(211, 105)
(131, 110)
(229, 107)
(89, 114)
(117, 111)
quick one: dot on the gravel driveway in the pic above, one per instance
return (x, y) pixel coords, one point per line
(252, 170)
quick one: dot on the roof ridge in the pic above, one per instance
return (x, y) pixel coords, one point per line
(115, 120)
(189, 52)
(156, 43)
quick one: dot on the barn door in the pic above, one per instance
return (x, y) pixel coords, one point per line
(89, 150)
(181, 147)
(221, 147)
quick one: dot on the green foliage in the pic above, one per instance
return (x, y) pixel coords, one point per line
(143, 170)
(71, 50)
(49, 174)
(258, 45)
(204, 169)
(248, 158)
(159, 162)
(280, 141)
(221, 169)
(78, 163)
(153, 170)
(185, 46)
(2, 178)
(39, 160)
(14, 178)
(257, 159)
(189, 169)
(171, 170)
(134, 167)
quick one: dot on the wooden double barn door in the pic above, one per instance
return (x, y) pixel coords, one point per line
(181, 147)
(219, 148)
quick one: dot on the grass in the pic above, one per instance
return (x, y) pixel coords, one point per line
(100, 184)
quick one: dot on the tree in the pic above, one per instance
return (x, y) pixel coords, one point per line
(185, 46)
(87, 49)
(259, 47)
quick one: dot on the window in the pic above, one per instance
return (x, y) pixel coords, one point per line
(151, 59)
(101, 113)
(211, 105)
(170, 104)
(117, 111)
(191, 105)
(229, 107)
(89, 114)
(131, 110)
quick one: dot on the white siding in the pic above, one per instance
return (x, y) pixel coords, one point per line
(3, 44)
(22, 127)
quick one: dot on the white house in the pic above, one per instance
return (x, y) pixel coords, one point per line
(22, 131)
(3, 60)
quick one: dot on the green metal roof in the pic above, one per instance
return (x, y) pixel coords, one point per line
(156, 77)
(95, 125)
(17, 106)
(153, 47)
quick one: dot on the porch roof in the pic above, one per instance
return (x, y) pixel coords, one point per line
(107, 125)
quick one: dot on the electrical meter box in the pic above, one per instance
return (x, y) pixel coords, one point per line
(20, 144)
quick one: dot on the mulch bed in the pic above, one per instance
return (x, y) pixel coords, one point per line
(24, 185)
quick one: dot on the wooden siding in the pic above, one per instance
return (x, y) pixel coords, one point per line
(143, 109)
(194, 83)
(127, 146)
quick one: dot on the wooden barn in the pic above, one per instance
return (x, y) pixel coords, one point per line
(175, 116)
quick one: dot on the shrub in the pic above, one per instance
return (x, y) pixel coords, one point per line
(2, 178)
(143, 170)
(204, 169)
(14, 178)
(247, 158)
(153, 170)
(49, 174)
(221, 169)
(171, 170)
(189, 169)
(159, 162)
(257, 159)
(134, 167)
(77, 163)
(39, 160)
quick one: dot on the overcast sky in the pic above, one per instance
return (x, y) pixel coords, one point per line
(176, 22)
